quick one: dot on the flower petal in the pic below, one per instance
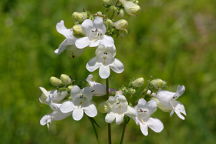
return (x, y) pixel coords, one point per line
(119, 118)
(44, 91)
(179, 109)
(107, 41)
(98, 23)
(142, 101)
(144, 128)
(92, 65)
(64, 45)
(87, 25)
(155, 124)
(66, 107)
(104, 71)
(117, 66)
(90, 110)
(59, 116)
(82, 42)
(180, 91)
(110, 117)
(94, 43)
(77, 114)
(45, 120)
(60, 27)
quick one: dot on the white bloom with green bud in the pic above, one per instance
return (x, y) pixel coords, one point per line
(94, 34)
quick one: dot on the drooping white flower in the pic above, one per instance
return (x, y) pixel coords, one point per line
(53, 95)
(54, 116)
(81, 103)
(143, 117)
(118, 108)
(97, 89)
(105, 60)
(167, 101)
(94, 34)
(69, 42)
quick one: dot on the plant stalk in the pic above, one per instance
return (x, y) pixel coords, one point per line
(109, 125)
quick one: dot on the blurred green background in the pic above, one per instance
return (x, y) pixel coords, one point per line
(170, 39)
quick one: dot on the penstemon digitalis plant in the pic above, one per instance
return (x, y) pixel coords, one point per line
(67, 98)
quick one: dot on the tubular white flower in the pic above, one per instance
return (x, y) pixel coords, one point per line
(95, 34)
(81, 103)
(167, 101)
(97, 89)
(53, 95)
(143, 117)
(69, 41)
(104, 61)
(54, 116)
(118, 108)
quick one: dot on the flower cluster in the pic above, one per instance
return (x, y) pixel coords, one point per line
(136, 101)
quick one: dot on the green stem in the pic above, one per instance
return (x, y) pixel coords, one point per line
(109, 125)
(123, 130)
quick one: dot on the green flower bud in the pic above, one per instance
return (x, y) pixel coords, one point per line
(130, 7)
(70, 87)
(103, 107)
(77, 29)
(158, 83)
(131, 91)
(121, 13)
(138, 82)
(114, 8)
(108, 22)
(121, 24)
(80, 16)
(65, 79)
(55, 81)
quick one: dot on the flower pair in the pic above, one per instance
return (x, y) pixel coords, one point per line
(94, 37)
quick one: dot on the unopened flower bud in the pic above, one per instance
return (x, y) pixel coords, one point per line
(70, 87)
(103, 107)
(121, 13)
(138, 82)
(65, 79)
(158, 83)
(109, 22)
(121, 24)
(131, 91)
(114, 8)
(130, 7)
(80, 16)
(77, 29)
(55, 81)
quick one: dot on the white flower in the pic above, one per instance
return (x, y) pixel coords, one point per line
(54, 116)
(69, 41)
(118, 108)
(104, 60)
(167, 101)
(95, 34)
(143, 116)
(97, 89)
(81, 103)
(54, 96)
